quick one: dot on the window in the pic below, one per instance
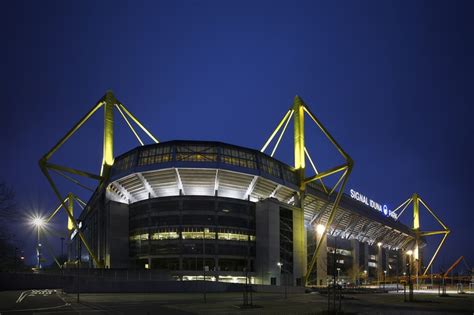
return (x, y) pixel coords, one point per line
(240, 158)
(154, 155)
(196, 153)
(139, 237)
(228, 236)
(165, 235)
(124, 163)
(198, 233)
(270, 167)
(289, 175)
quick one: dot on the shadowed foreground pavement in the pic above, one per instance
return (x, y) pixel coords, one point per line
(227, 303)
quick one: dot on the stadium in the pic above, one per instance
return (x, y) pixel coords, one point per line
(202, 210)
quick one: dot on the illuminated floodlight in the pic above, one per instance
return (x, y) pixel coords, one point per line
(379, 244)
(279, 264)
(320, 229)
(38, 221)
(410, 252)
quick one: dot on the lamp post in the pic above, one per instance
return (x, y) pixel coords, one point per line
(365, 276)
(410, 285)
(38, 222)
(379, 263)
(384, 277)
(204, 262)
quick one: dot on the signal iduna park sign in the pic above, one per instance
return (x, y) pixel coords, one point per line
(373, 204)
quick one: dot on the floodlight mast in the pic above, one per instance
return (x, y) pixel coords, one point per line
(108, 102)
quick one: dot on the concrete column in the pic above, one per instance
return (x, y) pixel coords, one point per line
(366, 262)
(406, 261)
(380, 267)
(267, 214)
(322, 262)
(355, 261)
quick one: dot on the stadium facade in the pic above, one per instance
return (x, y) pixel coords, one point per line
(189, 206)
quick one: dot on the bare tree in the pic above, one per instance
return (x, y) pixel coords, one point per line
(7, 208)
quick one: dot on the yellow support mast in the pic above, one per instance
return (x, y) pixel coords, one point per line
(108, 102)
(298, 111)
(416, 201)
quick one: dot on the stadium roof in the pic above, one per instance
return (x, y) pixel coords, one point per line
(204, 168)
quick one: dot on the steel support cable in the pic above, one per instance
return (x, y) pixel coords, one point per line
(129, 125)
(436, 253)
(329, 172)
(138, 123)
(327, 134)
(434, 215)
(72, 171)
(275, 131)
(430, 233)
(73, 129)
(338, 182)
(75, 181)
(79, 200)
(315, 169)
(403, 204)
(281, 134)
(80, 205)
(55, 211)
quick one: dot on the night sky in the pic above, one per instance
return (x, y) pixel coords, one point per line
(391, 80)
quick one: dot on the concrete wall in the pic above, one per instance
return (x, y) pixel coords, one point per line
(267, 215)
(117, 244)
(355, 261)
(268, 244)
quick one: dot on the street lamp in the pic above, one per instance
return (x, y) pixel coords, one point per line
(365, 276)
(320, 229)
(38, 222)
(338, 274)
(280, 265)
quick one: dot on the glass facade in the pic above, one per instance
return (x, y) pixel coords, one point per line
(204, 152)
(179, 233)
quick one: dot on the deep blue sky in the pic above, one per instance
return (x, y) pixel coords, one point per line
(392, 80)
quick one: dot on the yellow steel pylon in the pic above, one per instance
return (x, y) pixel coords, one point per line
(109, 103)
(298, 111)
(416, 200)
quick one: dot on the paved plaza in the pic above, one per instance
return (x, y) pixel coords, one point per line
(51, 302)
